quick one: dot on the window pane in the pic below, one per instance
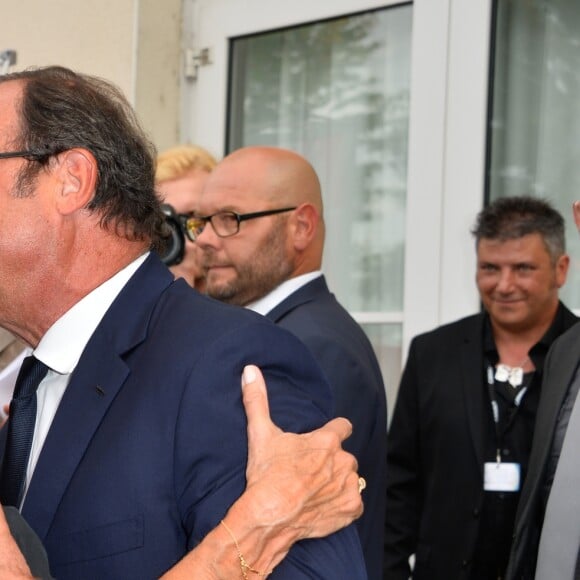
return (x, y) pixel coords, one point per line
(535, 124)
(338, 92)
(386, 339)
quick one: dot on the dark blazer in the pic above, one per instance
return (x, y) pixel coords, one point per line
(148, 446)
(436, 454)
(559, 371)
(347, 358)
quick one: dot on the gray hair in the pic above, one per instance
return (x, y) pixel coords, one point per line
(510, 218)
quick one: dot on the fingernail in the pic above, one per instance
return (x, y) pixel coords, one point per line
(249, 375)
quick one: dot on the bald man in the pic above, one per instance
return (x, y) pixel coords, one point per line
(263, 250)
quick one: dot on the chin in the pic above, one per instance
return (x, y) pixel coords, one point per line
(216, 290)
(515, 323)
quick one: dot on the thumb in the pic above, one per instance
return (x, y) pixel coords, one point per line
(255, 400)
(576, 209)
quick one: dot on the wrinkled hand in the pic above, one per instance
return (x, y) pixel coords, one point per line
(298, 486)
(13, 566)
(306, 482)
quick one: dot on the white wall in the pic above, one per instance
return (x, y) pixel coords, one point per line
(133, 43)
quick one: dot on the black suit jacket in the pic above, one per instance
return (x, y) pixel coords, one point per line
(436, 453)
(559, 372)
(347, 358)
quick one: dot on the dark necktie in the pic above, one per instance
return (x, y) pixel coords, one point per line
(20, 430)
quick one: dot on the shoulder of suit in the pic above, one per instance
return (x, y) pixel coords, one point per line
(464, 327)
(568, 338)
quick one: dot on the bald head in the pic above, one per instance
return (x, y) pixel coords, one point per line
(281, 175)
(280, 246)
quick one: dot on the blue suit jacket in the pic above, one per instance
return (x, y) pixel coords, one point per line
(347, 358)
(148, 447)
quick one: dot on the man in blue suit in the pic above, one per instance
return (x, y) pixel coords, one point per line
(138, 448)
(264, 251)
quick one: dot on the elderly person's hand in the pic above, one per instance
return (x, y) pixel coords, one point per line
(308, 481)
(298, 486)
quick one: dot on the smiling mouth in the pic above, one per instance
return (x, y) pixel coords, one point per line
(510, 302)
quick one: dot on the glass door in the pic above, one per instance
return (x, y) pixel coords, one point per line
(337, 91)
(388, 100)
(535, 114)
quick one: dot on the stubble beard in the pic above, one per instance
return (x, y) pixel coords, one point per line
(263, 271)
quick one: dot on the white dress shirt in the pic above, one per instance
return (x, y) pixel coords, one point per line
(61, 348)
(280, 293)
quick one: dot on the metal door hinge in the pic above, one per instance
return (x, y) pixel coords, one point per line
(193, 59)
(7, 59)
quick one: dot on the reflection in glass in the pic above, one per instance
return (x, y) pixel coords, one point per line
(338, 93)
(386, 339)
(535, 122)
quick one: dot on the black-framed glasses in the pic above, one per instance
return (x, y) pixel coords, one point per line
(29, 155)
(225, 223)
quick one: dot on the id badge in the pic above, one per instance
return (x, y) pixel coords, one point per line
(501, 476)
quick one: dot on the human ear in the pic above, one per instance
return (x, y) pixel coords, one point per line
(77, 172)
(305, 224)
(562, 269)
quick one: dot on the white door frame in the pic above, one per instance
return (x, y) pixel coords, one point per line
(447, 133)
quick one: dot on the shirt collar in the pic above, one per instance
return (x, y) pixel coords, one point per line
(63, 343)
(538, 351)
(281, 292)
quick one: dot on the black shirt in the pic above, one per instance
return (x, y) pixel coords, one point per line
(514, 440)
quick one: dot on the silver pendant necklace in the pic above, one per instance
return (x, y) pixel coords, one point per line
(512, 375)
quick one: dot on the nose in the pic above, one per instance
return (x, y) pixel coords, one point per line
(505, 281)
(207, 237)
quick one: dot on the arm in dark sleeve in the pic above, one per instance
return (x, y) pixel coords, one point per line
(211, 443)
(360, 397)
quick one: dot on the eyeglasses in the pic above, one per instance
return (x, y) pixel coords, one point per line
(30, 155)
(225, 223)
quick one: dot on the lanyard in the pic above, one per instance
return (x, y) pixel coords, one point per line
(494, 411)
(495, 408)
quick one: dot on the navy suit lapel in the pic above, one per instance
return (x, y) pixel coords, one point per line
(471, 364)
(92, 388)
(306, 293)
(94, 384)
